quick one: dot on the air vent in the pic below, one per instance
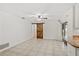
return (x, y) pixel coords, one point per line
(4, 46)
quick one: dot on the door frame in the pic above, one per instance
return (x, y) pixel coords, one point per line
(36, 29)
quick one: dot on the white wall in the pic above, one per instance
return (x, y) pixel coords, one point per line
(51, 28)
(1, 29)
(76, 16)
(68, 16)
(13, 29)
(76, 29)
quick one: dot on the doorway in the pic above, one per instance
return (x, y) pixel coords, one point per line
(39, 30)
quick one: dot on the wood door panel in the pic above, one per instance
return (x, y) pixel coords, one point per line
(39, 27)
(39, 35)
(40, 30)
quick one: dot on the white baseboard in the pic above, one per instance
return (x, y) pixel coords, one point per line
(13, 45)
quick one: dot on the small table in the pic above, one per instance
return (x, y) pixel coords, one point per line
(74, 42)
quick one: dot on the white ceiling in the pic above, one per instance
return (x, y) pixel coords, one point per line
(25, 9)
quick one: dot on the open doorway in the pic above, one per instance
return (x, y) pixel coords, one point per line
(37, 30)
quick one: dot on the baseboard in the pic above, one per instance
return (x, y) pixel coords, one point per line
(13, 45)
(54, 39)
(5, 45)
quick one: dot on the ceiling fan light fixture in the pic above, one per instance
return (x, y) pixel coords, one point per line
(39, 16)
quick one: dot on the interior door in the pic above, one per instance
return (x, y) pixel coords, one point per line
(39, 30)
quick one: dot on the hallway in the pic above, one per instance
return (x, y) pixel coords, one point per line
(19, 24)
(34, 47)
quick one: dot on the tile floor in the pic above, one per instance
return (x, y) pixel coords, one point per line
(36, 47)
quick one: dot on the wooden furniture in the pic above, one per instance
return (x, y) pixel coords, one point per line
(75, 41)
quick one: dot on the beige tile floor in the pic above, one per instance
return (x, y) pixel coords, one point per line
(34, 47)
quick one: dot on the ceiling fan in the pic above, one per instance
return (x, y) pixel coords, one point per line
(39, 16)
